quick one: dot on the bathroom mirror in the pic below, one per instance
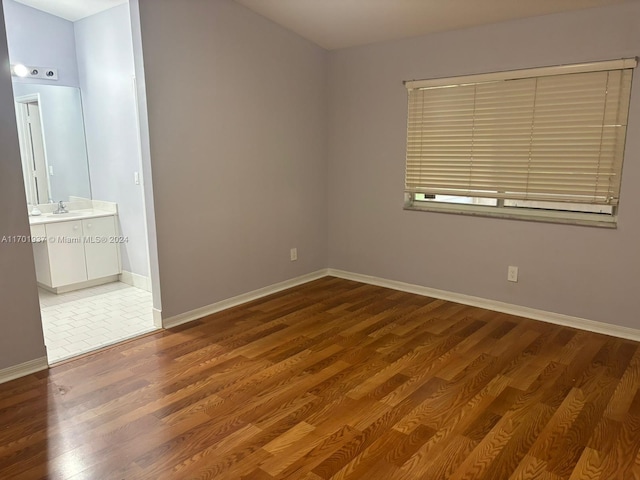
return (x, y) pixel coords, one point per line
(52, 142)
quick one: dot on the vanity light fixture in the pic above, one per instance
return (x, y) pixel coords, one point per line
(43, 73)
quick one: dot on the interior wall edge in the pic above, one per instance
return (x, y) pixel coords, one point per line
(22, 337)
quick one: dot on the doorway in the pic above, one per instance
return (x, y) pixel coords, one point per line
(32, 150)
(83, 173)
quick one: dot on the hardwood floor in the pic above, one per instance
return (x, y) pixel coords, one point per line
(335, 380)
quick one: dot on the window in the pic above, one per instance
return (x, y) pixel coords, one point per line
(541, 144)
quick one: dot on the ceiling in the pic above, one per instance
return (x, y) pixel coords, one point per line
(72, 10)
(335, 24)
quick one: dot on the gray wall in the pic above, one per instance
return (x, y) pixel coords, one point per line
(587, 272)
(238, 137)
(237, 132)
(21, 336)
(106, 68)
(42, 40)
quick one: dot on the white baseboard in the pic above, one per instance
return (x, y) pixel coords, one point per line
(533, 313)
(494, 305)
(135, 280)
(24, 369)
(240, 299)
(157, 318)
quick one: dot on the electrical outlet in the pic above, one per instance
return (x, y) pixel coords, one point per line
(512, 274)
(294, 254)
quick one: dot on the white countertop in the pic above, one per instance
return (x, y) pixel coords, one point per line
(68, 217)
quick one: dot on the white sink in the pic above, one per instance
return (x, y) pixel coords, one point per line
(65, 215)
(62, 217)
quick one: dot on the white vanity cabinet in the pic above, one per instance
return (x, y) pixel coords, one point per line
(77, 253)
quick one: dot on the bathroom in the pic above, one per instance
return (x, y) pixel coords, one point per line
(73, 76)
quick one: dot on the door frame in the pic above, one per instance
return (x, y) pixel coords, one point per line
(26, 154)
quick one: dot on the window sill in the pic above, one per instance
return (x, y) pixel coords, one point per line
(547, 216)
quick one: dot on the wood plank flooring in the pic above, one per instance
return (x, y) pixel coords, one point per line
(335, 380)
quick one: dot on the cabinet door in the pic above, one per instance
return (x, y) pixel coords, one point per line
(66, 253)
(41, 254)
(101, 249)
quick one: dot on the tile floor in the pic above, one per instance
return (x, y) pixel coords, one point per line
(78, 322)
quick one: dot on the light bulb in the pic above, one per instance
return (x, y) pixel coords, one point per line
(20, 70)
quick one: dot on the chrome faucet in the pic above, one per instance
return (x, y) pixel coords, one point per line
(61, 209)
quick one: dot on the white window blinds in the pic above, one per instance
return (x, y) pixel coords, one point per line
(540, 134)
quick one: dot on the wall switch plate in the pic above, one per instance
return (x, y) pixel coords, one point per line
(294, 254)
(136, 178)
(512, 274)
